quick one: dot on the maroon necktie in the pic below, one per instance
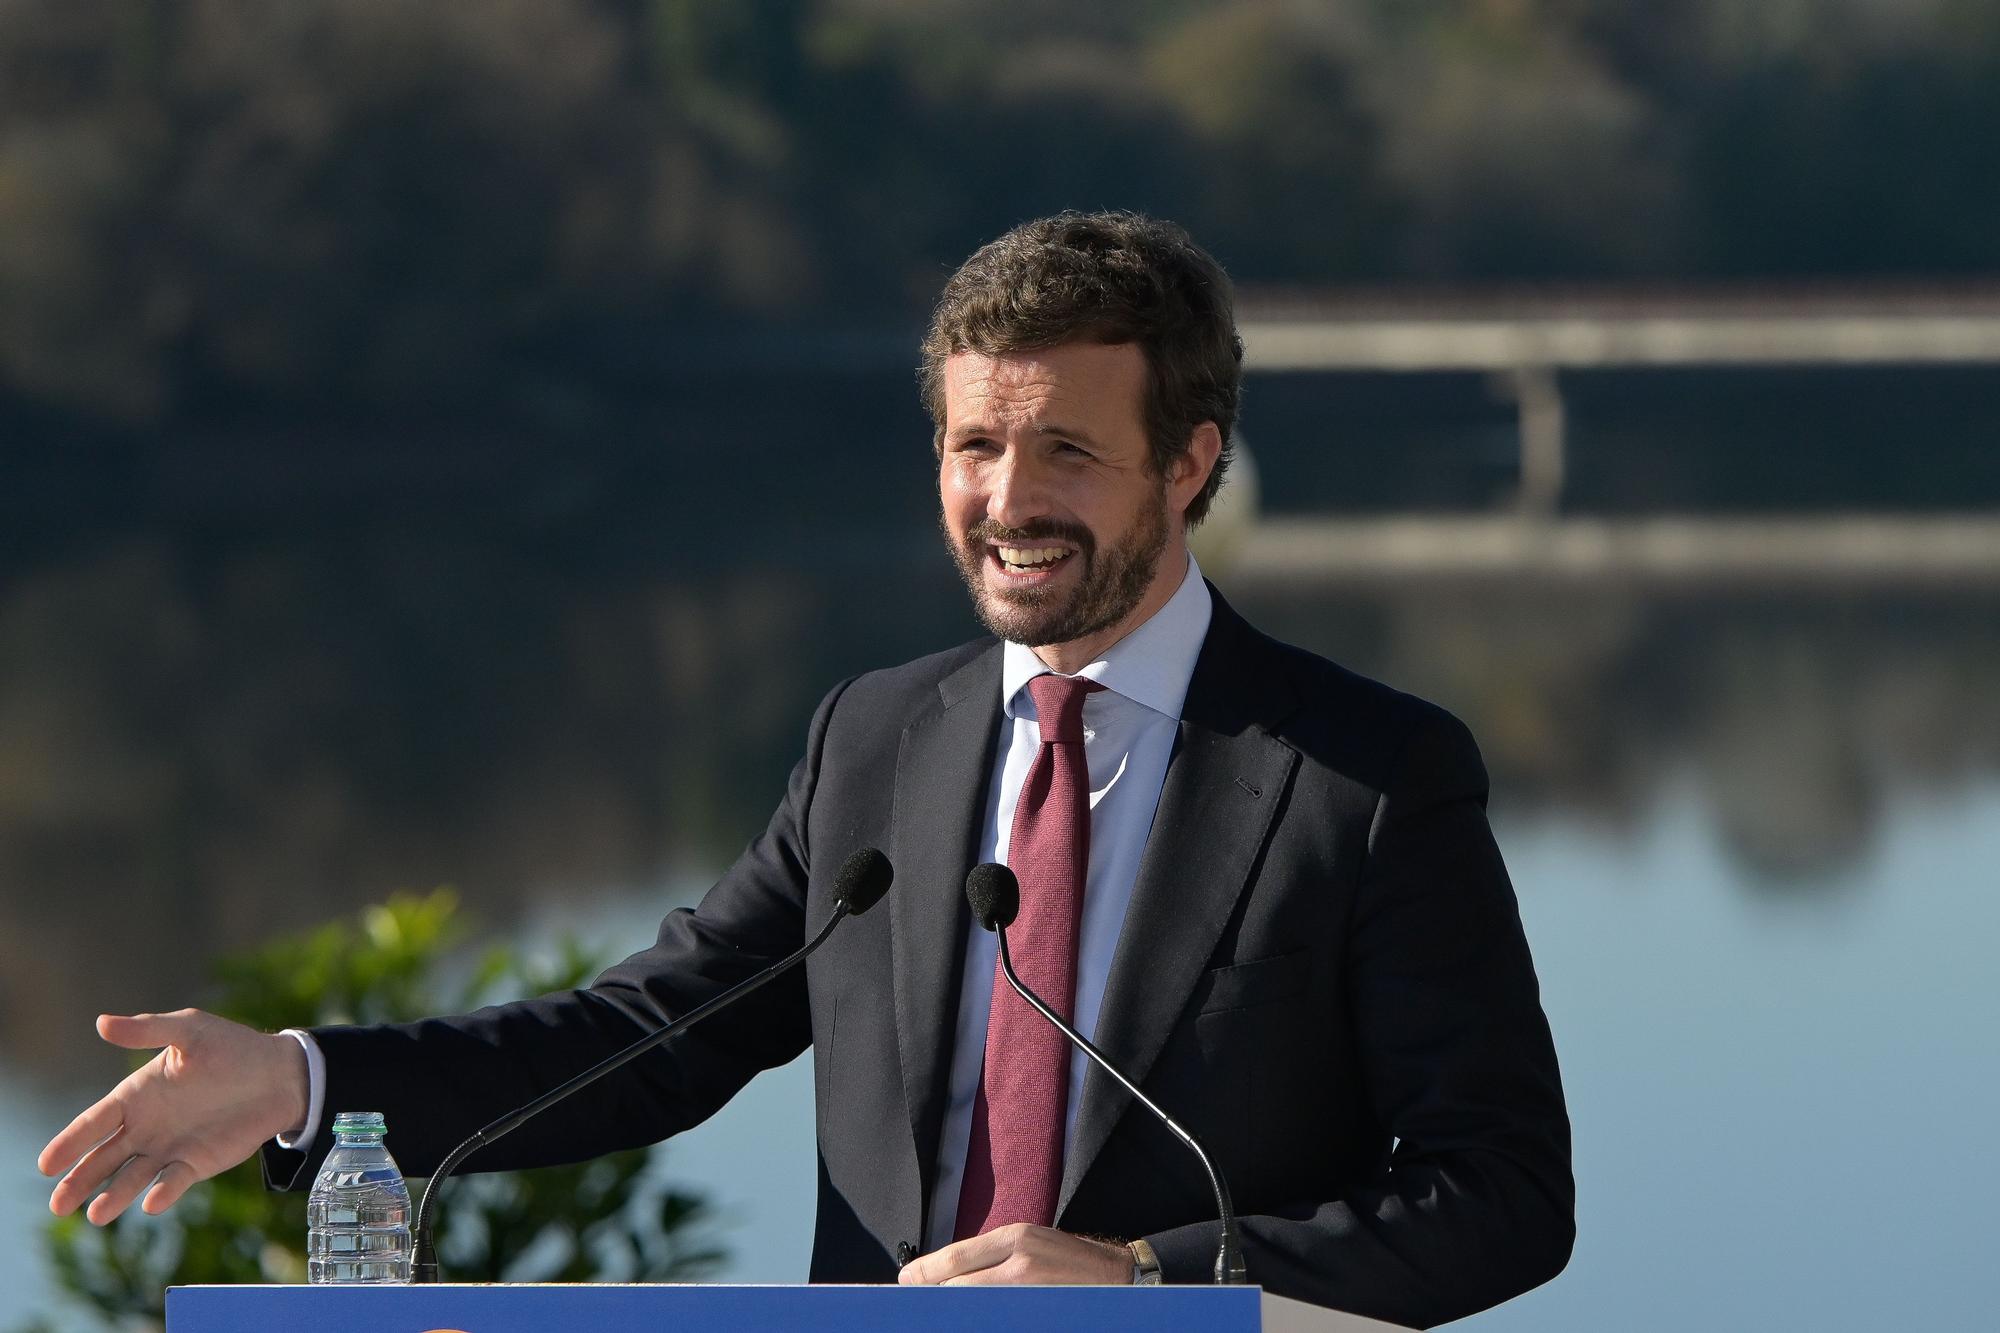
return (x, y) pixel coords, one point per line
(1013, 1165)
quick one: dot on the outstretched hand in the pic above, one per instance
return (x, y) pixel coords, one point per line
(207, 1101)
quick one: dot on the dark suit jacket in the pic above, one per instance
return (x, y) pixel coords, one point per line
(1322, 973)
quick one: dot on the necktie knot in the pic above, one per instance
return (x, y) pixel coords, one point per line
(1059, 706)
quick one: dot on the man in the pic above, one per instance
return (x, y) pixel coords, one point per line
(1266, 886)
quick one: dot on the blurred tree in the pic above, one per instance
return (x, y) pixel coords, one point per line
(613, 1219)
(372, 205)
(1517, 149)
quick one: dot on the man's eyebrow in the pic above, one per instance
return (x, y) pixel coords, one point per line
(1046, 429)
(1061, 432)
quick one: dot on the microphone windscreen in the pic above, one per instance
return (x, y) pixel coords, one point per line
(864, 877)
(994, 895)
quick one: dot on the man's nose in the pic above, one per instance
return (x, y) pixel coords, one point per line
(1018, 493)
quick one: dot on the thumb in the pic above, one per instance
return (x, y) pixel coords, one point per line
(142, 1032)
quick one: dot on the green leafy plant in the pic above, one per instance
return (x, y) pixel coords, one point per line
(612, 1219)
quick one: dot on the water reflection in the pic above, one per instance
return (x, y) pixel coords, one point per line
(199, 745)
(1753, 837)
(1796, 716)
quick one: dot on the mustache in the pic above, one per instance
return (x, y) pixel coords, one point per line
(986, 530)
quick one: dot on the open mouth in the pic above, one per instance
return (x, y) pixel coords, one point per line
(1029, 560)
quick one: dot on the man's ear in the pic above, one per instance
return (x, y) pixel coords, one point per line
(1187, 474)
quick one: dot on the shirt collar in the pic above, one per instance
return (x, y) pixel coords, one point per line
(1151, 666)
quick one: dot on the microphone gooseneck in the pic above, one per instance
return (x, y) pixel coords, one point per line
(994, 895)
(864, 877)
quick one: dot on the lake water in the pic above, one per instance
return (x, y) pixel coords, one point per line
(1755, 839)
(1783, 1104)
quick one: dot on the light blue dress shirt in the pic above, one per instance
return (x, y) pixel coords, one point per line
(1128, 737)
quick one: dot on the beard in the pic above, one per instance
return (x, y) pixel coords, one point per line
(1111, 582)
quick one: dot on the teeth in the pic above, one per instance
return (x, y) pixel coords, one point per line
(1023, 557)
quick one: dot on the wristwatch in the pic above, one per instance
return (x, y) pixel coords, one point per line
(1145, 1264)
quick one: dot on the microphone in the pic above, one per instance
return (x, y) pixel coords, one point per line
(995, 898)
(864, 877)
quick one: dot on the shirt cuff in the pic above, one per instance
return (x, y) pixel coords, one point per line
(1145, 1264)
(315, 1095)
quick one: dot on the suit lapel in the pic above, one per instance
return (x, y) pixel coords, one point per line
(942, 771)
(1223, 787)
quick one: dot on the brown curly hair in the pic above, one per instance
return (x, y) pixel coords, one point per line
(1111, 277)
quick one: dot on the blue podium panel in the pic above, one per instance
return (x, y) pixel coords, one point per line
(543, 1309)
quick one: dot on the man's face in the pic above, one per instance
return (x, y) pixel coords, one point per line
(1049, 503)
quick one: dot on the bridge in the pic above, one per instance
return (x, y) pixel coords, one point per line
(1527, 342)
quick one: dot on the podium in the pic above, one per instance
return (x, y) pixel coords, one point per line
(450, 1308)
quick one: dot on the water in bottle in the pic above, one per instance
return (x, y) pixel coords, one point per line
(358, 1216)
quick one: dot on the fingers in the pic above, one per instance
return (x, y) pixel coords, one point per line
(89, 1175)
(1019, 1253)
(122, 1188)
(106, 1116)
(89, 1129)
(958, 1258)
(143, 1032)
(167, 1190)
(117, 1147)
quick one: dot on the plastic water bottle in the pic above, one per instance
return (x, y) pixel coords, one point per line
(358, 1215)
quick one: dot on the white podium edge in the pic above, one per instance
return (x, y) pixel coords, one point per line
(1282, 1314)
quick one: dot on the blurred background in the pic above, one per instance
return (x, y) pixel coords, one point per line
(448, 444)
